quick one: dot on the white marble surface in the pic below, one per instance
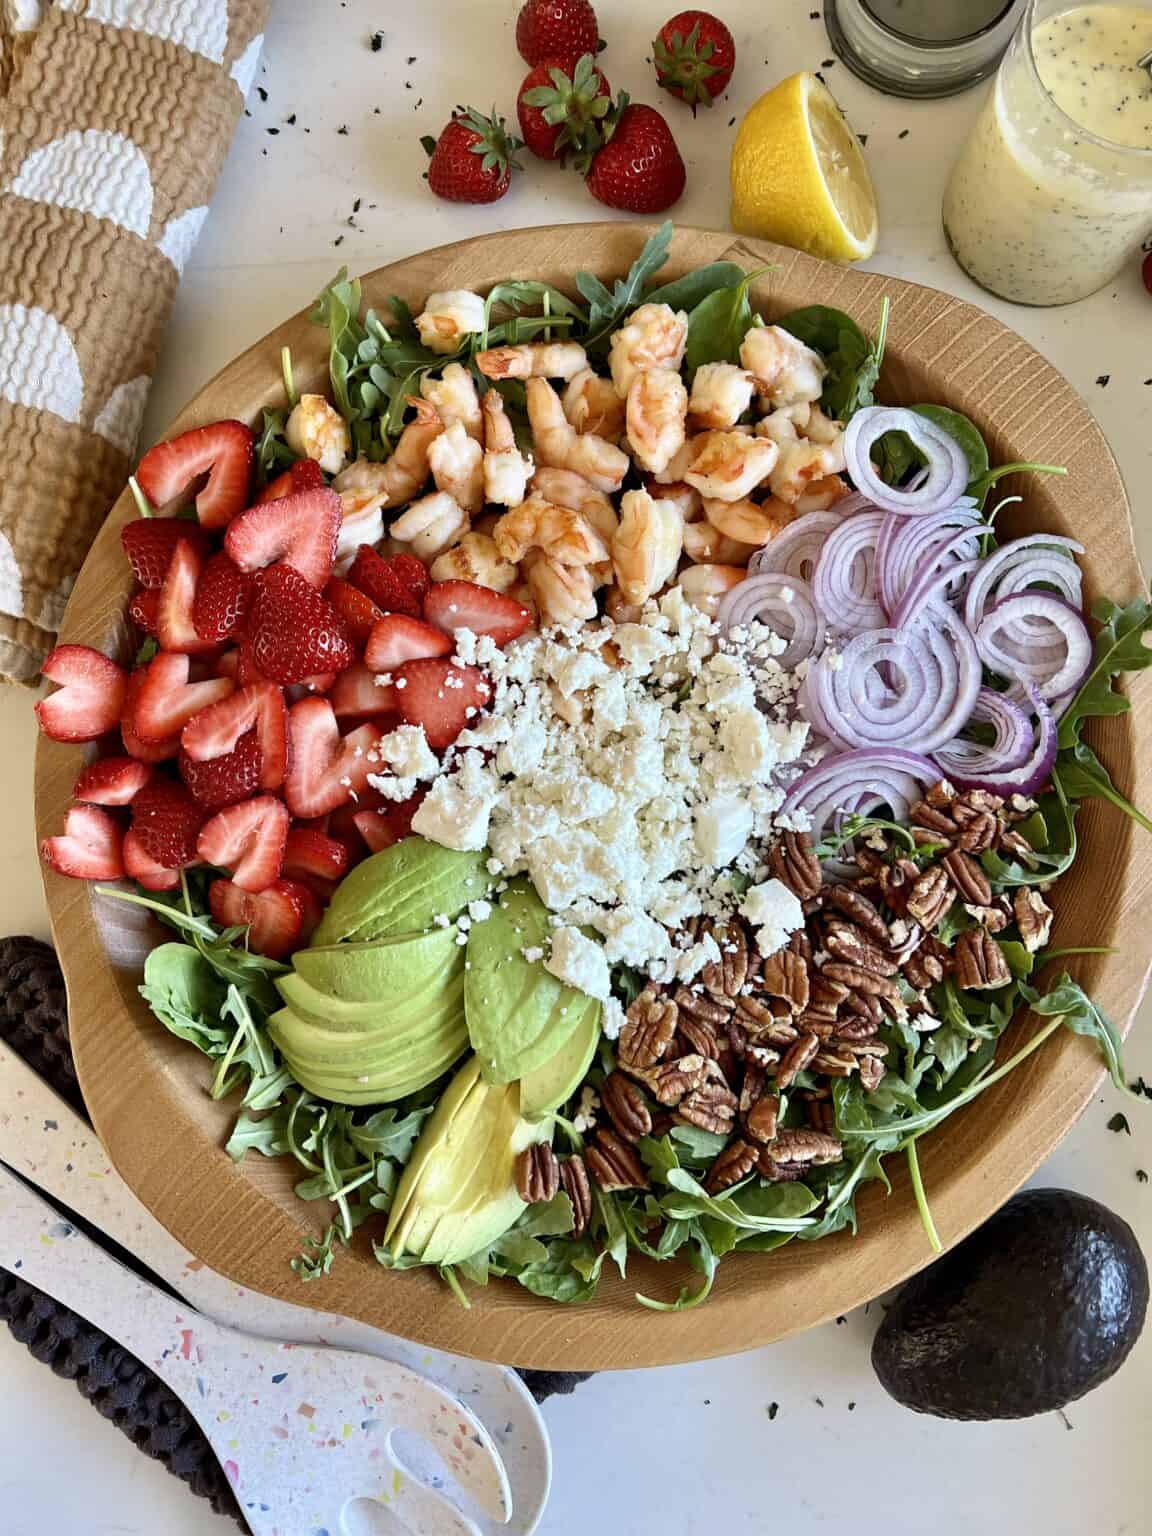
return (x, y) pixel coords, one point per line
(693, 1449)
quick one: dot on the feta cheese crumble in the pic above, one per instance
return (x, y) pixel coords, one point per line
(775, 912)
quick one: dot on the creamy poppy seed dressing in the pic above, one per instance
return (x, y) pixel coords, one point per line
(1036, 210)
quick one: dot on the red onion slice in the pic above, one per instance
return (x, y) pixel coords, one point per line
(1028, 775)
(888, 687)
(947, 463)
(908, 544)
(844, 582)
(856, 784)
(972, 762)
(933, 583)
(1049, 669)
(783, 604)
(796, 549)
(1023, 564)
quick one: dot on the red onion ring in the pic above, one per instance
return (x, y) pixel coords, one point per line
(1051, 671)
(844, 582)
(1036, 767)
(855, 784)
(783, 604)
(930, 677)
(906, 543)
(973, 762)
(796, 549)
(947, 466)
(1023, 564)
(929, 583)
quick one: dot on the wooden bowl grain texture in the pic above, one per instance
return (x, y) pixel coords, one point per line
(145, 1088)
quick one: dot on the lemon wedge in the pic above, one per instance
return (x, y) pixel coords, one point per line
(799, 177)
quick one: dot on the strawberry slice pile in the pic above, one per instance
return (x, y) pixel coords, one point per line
(244, 742)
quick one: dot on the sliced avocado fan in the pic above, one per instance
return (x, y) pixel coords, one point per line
(402, 890)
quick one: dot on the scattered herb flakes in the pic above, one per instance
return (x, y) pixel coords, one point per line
(262, 93)
(731, 122)
(827, 63)
(819, 77)
(272, 131)
(863, 137)
(819, 1401)
(840, 1321)
(356, 206)
(1104, 379)
(1141, 1088)
(851, 1407)
(1141, 1175)
(411, 58)
(1064, 1419)
(339, 240)
(773, 1410)
(1118, 1123)
(291, 119)
(343, 130)
(376, 42)
(904, 132)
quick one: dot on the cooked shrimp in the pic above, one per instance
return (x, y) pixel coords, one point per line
(534, 360)
(454, 396)
(564, 535)
(405, 473)
(363, 492)
(506, 469)
(561, 594)
(448, 317)
(316, 430)
(457, 465)
(656, 412)
(721, 393)
(822, 429)
(748, 522)
(431, 525)
(654, 337)
(647, 545)
(560, 446)
(475, 559)
(673, 473)
(705, 585)
(705, 545)
(729, 465)
(591, 404)
(686, 498)
(619, 609)
(564, 489)
(800, 461)
(819, 495)
(785, 370)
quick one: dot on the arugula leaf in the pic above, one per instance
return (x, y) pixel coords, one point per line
(704, 1260)
(853, 362)
(1081, 776)
(607, 307)
(688, 291)
(719, 323)
(1068, 1001)
(186, 995)
(516, 295)
(266, 1135)
(1120, 647)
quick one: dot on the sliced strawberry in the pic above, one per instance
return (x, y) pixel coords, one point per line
(374, 829)
(357, 610)
(319, 682)
(298, 530)
(228, 663)
(274, 917)
(134, 744)
(89, 848)
(167, 700)
(112, 781)
(442, 696)
(144, 870)
(247, 672)
(167, 822)
(294, 632)
(215, 731)
(310, 853)
(340, 824)
(224, 780)
(90, 698)
(357, 693)
(144, 610)
(304, 475)
(312, 904)
(397, 638)
(324, 769)
(453, 605)
(149, 543)
(395, 585)
(223, 452)
(399, 813)
(223, 598)
(175, 629)
(247, 839)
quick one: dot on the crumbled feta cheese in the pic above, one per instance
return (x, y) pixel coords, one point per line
(775, 913)
(479, 911)
(612, 1018)
(579, 962)
(584, 1119)
(407, 750)
(532, 953)
(723, 826)
(449, 815)
(690, 962)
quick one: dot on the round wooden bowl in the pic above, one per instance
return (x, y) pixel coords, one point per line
(145, 1089)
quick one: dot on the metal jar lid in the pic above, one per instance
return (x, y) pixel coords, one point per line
(922, 48)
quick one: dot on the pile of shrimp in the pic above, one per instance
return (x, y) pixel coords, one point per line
(715, 470)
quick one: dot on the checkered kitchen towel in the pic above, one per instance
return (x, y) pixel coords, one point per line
(115, 116)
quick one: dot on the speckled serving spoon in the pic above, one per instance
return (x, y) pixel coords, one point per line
(44, 1140)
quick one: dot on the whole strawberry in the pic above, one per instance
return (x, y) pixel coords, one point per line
(557, 108)
(639, 168)
(556, 30)
(694, 55)
(473, 159)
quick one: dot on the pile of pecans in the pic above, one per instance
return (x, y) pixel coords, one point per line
(719, 1053)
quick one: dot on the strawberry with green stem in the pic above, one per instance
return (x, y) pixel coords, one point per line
(473, 159)
(637, 167)
(694, 54)
(557, 107)
(556, 29)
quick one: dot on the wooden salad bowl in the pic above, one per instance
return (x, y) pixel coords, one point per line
(146, 1089)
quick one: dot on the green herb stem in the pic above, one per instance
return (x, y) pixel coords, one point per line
(921, 1198)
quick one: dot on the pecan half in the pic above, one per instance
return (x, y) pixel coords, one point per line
(968, 877)
(575, 1184)
(626, 1107)
(804, 1146)
(723, 978)
(991, 919)
(933, 819)
(800, 944)
(866, 982)
(711, 1107)
(1033, 917)
(648, 1031)
(736, 1162)
(798, 1056)
(793, 861)
(785, 975)
(695, 1005)
(862, 1005)
(613, 1164)
(941, 795)
(855, 1028)
(777, 1173)
(835, 1063)
(980, 964)
(859, 910)
(699, 1038)
(931, 896)
(897, 881)
(975, 814)
(821, 1114)
(852, 945)
(763, 1118)
(762, 1024)
(671, 1080)
(929, 963)
(537, 1174)
(872, 1070)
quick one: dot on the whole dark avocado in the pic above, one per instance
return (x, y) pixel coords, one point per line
(1034, 1309)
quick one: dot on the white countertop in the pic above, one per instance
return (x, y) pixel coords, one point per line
(692, 1449)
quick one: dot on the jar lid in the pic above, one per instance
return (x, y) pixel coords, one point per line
(922, 48)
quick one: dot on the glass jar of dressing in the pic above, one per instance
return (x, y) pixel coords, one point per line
(1053, 192)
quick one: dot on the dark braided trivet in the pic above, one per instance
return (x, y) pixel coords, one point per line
(34, 1021)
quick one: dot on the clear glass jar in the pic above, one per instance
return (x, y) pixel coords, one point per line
(921, 48)
(1052, 194)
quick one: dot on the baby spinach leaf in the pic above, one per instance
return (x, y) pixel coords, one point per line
(186, 995)
(559, 1277)
(688, 291)
(719, 323)
(853, 362)
(607, 307)
(896, 455)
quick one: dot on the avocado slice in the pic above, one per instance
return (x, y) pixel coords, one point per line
(402, 890)
(543, 1090)
(518, 1014)
(1041, 1304)
(381, 969)
(459, 1106)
